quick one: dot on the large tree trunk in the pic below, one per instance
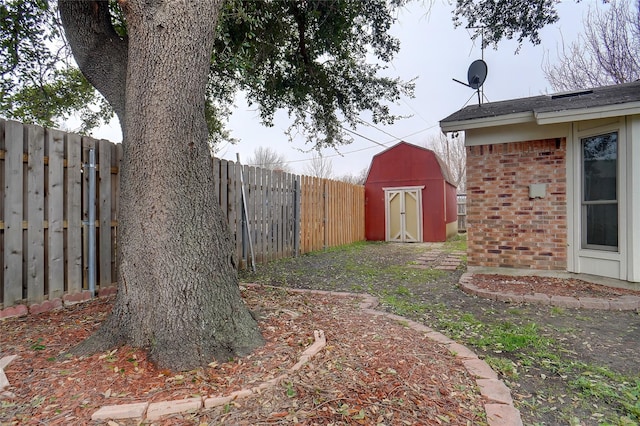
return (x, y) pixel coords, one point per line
(178, 292)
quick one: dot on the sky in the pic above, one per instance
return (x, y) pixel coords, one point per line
(433, 51)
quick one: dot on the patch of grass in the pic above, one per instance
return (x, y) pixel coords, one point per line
(456, 243)
(291, 392)
(506, 336)
(524, 347)
(510, 337)
(360, 270)
(403, 291)
(38, 346)
(600, 384)
(402, 306)
(556, 310)
(503, 366)
(404, 274)
(352, 248)
(357, 288)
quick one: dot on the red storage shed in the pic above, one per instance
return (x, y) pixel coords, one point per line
(408, 197)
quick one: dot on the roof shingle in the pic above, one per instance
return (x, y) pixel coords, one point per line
(592, 98)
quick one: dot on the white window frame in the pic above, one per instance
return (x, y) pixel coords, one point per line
(584, 204)
(588, 260)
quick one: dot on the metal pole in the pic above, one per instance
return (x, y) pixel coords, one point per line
(92, 222)
(296, 217)
(246, 213)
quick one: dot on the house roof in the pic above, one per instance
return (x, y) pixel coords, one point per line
(599, 102)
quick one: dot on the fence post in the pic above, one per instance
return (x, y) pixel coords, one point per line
(91, 221)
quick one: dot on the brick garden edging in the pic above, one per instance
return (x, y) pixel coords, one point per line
(21, 310)
(620, 303)
(155, 411)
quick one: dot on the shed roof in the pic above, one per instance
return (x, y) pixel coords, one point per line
(444, 170)
(599, 102)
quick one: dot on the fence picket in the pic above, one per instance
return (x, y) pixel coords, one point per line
(279, 217)
(35, 213)
(259, 216)
(55, 214)
(13, 210)
(249, 179)
(105, 253)
(73, 189)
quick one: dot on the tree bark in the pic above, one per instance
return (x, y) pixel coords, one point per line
(100, 52)
(178, 292)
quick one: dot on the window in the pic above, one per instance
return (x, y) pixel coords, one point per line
(600, 192)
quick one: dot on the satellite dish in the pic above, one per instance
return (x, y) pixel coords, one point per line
(477, 73)
(476, 76)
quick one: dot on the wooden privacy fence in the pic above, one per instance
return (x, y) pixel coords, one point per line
(269, 225)
(287, 214)
(332, 213)
(44, 211)
(462, 212)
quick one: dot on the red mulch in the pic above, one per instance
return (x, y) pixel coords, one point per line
(373, 370)
(548, 285)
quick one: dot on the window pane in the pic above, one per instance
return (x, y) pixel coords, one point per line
(602, 224)
(600, 157)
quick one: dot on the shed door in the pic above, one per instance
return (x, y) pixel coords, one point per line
(403, 214)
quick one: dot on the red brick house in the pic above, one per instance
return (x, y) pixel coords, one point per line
(409, 197)
(553, 182)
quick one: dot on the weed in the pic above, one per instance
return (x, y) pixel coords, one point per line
(404, 274)
(456, 243)
(38, 346)
(510, 337)
(291, 392)
(357, 288)
(402, 306)
(511, 343)
(352, 248)
(402, 291)
(504, 366)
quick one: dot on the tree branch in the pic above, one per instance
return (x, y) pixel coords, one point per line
(99, 51)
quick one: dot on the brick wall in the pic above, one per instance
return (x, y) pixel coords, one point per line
(505, 227)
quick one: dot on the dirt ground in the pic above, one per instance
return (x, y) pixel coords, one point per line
(372, 370)
(541, 390)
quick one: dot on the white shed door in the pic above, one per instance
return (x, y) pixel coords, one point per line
(403, 211)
